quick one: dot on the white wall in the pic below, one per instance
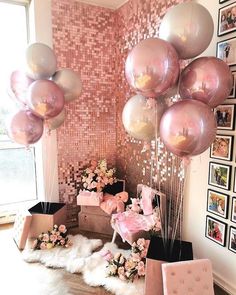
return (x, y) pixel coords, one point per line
(223, 260)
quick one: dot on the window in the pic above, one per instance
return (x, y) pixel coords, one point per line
(17, 164)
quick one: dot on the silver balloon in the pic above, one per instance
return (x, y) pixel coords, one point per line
(41, 61)
(188, 27)
(70, 82)
(141, 119)
(55, 122)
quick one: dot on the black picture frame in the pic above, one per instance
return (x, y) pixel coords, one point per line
(232, 239)
(226, 50)
(232, 94)
(222, 147)
(216, 230)
(226, 19)
(219, 175)
(222, 1)
(233, 210)
(225, 122)
(217, 203)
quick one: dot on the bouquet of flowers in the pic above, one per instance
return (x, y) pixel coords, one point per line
(56, 237)
(98, 176)
(131, 268)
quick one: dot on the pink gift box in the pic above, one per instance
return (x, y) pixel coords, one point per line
(87, 198)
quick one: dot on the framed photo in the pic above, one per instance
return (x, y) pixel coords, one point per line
(216, 230)
(226, 50)
(232, 239)
(224, 115)
(222, 147)
(234, 180)
(233, 210)
(227, 19)
(217, 203)
(219, 175)
(233, 90)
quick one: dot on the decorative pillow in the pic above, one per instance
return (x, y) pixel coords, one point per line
(21, 228)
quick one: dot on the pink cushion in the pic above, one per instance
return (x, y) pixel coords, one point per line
(21, 228)
(188, 277)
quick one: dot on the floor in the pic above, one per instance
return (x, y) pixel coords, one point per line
(19, 277)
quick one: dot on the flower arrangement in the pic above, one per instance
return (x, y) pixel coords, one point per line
(56, 237)
(97, 176)
(131, 268)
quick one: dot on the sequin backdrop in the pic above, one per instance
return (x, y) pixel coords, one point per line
(95, 42)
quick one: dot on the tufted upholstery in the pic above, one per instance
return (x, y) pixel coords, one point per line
(193, 277)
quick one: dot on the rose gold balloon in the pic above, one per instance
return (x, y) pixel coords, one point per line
(188, 128)
(45, 98)
(24, 127)
(57, 121)
(41, 61)
(207, 79)
(70, 82)
(19, 84)
(188, 27)
(152, 67)
(141, 119)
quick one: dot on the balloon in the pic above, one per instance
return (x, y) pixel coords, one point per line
(188, 128)
(70, 82)
(57, 121)
(140, 119)
(45, 98)
(19, 84)
(41, 61)
(207, 79)
(152, 67)
(188, 27)
(24, 127)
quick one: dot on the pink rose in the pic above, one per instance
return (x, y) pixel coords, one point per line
(62, 241)
(45, 237)
(136, 257)
(141, 268)
(62, 228)
(43, 246)
(53, 238)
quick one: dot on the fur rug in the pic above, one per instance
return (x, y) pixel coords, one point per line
(80, 259)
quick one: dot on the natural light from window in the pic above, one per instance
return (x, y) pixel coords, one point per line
(17, 164)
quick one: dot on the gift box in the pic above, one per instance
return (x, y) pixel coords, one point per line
(21, 228)
(87, 198)
(162, 251)
(44, 216)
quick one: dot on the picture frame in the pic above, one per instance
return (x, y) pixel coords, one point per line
(226, 19)
(232, 94)
(233, 210)
(219, 175)
(234, 189)
(232, 239)
(224, 114)
(216, 230)
(226, 50)
(222, 1)
(217, 203)
(222, 147)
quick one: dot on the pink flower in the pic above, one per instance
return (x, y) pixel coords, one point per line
(141, 242)
(136, 257)
(43, 246)
(53, 238)
(62, 228)
(62, 241)
(35, 242)
(144, 253)
(45, 237)
(141, 268)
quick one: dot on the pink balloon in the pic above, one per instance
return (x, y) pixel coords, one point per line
(207, 79)
(24, 127)
(45, 98)
(152, 67)
(188, 128)
(19, 84)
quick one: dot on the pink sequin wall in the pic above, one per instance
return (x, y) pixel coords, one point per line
(95, 42)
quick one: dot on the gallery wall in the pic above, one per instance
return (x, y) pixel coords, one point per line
(195, 209)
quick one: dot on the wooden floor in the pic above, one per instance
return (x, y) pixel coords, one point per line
(19, 277)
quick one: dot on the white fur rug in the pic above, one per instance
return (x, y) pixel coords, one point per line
(79, 259)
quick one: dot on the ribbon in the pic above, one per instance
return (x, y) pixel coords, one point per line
(111, 204)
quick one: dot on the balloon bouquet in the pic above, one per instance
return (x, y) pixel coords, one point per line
(41, 92)
(152, 69)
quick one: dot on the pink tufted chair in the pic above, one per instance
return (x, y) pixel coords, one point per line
(192, 277)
